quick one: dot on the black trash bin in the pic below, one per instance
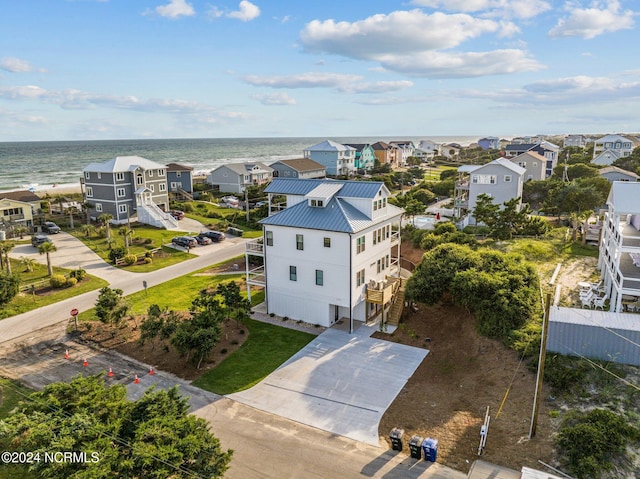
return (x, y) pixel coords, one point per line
(396, 438)
(415, 446)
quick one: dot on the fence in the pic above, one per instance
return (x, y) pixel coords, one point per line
(121, 261)
(39, 284)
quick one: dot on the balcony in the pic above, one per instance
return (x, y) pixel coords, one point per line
(254, 247)
(256, 276)
(381, 292)
(462, 185)
(395, 237)
(630, 236)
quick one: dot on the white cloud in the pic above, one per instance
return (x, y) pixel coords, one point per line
(175, 9)
(504, 8)
(400, 31)
(247, 11)
(588, 23)
(303, 80)
(16, 65)
(279, 98)
(376, 87)
(461, 65)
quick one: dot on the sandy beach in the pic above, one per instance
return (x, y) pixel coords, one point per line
(51, 190)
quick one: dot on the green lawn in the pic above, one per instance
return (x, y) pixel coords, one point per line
(11, 392)
(266, 348)
(220, 219)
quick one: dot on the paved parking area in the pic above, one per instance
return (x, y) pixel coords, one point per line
(339, 383)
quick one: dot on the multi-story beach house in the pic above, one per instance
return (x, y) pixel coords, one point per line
(543, 148)
(130, 188)
(407, 149)
(18, 208)
(180, 182)
(332, 254)
(235, 177)
(613, 173)
(535, 165)
(609, 148)
(427, 150)
(338, 159)
(574, 140)
(365, 156)
(451, 151)
(298, 168)
(619, 258)
(386, 154)
(501, 179)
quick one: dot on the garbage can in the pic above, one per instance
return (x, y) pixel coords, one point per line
(430, 447)
(415, 446)
(235, 231)
(396, 438)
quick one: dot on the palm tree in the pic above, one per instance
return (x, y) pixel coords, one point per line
(46, 248)
(126, 233)
(72, 210)
(88, 230)
(20, 231)
(5, 247)
(87, 206)
(105, 219)
(28, 263)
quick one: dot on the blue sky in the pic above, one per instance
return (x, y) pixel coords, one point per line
(115, 69)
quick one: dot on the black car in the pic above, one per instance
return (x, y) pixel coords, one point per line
(203, 240)
(215, 236)
(51, 228)
(37, 240)
(185, 241)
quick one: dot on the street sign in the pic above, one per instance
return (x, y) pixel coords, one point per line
(74, 312)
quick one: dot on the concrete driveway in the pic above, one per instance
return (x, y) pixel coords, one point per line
(339, 383)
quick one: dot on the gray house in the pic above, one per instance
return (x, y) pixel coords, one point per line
(235, 177)
(298, 168)
(613, 173)
(501, 179)
(129, 188)
(534, 165)
(180, 181)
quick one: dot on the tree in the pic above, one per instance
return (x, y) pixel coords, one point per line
(126, 233)
(485, 210)
(47, 249)
(5, 248)
(105, 219)
(413, 208)
(86, 207)
(9, 287)
(28, 263)
(111, 307)
(236, 306)
(88, 230)
(150, 438)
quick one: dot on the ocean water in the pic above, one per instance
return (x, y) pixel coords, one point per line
(46, 163)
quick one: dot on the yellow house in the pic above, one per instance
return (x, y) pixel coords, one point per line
(18, 213)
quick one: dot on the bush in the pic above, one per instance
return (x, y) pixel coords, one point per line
(444, 227)
(117, 252)
(148, 260)
(148, 241)
(71, 281)
(9, 287)
(78, 274)
(58, 281)
(130, 259)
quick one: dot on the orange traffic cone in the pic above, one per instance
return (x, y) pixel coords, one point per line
(85, 363)
(110, 373)
(151, 373)
(136, 380)
(66, 354)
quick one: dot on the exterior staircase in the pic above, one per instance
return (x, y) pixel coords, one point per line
(151, 214)
(395, 312)
(185, 194)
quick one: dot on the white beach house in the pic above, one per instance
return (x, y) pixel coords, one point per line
(619, 259)
(332, 254)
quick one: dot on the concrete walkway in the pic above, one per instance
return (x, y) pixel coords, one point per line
(340, 382)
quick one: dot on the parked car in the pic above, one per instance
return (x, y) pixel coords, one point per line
(203, 240)
(215, 236)
(51, 228)
(185, 241)
(261, 203)
(38, 239)
(177, 214)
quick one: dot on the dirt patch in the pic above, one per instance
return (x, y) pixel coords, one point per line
(160, 354)
(447, 396)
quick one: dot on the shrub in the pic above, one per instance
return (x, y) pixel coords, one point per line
(117, 252)
(58, 281)
(446, 227)
(130, 259)
(148, 241)
(223, 351)
(78, 274)
(71, 281)
(148, 260)
(9, 287)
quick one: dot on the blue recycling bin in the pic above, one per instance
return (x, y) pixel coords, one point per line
(430, 449)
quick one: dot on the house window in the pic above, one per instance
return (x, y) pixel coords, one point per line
(360, 278)
(139, 179)
(150, 173)
(319, 277)
(375, 206)
(269, 237)
(87, 175)
(535, 164)
(360, 244)
(99, 207)
(122, 208)
(161, 173)
(327, 242)
(89, 192)
(507, 178)
(388, 230)
(120, 176)
(99, 175)
(178, 174)
(152, 188)
(378, 266)
(300, 242)
(293, 273)
(120, 192)
(163, 187)
(317, 203)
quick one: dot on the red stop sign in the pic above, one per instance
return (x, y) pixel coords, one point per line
(74, 312)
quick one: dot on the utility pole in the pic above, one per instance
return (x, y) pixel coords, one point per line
(246, 202)
(540, 375)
